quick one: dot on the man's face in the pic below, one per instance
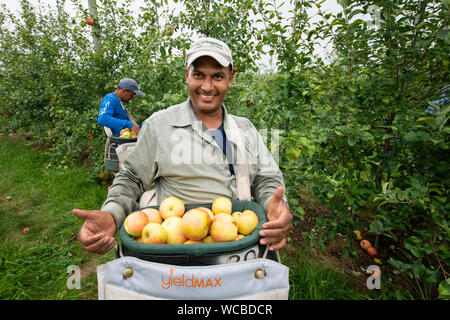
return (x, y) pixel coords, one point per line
(126, 95)
(208, 82)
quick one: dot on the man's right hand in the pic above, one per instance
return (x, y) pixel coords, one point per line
(97, 233)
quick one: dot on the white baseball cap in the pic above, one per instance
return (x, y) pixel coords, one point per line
(210, 47)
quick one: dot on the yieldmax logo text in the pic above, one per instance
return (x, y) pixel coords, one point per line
(188, 281)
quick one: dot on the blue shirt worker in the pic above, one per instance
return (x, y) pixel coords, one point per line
(112, 112)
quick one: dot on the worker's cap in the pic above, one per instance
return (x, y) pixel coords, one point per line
(130, 84)
(210, 47)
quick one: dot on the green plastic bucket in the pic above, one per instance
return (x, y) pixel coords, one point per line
(183, 253)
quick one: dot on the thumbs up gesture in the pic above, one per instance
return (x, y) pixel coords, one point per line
(279, 223)
(97, 233)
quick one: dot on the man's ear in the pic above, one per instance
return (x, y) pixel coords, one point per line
(231, 76)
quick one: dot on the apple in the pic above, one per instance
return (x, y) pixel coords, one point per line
(223, 228)
(90, 21)
(240, 236)
(221, 205)
(358, 235)
(371, 251)
(169, 32)
(174, 229)
(171, 207)
(154, 233)
(211, 214)
(193, 241)
(246, 221)
(135, 222)
(196, 224)
(365, 244)
(140, 240)
(208, 239)
(153, 215)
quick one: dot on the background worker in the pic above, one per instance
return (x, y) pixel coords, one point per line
(112, 113)
(161, 157)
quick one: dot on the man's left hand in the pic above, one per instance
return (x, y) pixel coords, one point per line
(135, 130)
(276, 229)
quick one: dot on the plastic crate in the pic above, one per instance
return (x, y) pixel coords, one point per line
(111, 159)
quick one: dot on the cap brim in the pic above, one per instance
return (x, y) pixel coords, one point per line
(139, 92)
(218, 57)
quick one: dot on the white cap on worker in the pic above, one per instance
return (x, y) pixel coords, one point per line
(210, 47)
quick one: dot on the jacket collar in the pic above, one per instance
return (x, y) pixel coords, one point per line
(185, 115)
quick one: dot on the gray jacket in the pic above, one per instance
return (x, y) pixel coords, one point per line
(177, 156)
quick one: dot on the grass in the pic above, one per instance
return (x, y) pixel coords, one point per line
(34, 265)
(313, 278)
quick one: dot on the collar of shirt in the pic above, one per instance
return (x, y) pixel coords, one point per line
(186, 117)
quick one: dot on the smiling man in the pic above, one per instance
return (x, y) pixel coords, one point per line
(191, 151)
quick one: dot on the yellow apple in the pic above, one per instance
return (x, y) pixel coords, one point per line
(223, 228)
(246, 221)
(153, 215)
(135, 222)
(208, 239)
(196, 224)
(154, 233)
(139, 239)
(174, 229)
(239, 236)
(221, 205)
(193, 241)
(125, 133)
(211, 214)
(124, 130)
(171, 207)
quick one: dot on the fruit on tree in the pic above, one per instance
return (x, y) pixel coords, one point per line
(135, 222)
(171, 207)
(174, 229)
(246, 221)
(221, 205)
(153, 215)
(365, 244)
(223, 228)
(154, 233)
(90, 21)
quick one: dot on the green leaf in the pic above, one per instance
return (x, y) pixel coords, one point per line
(444, 289)
(418, 270)
(351, 141)
(431, 276)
